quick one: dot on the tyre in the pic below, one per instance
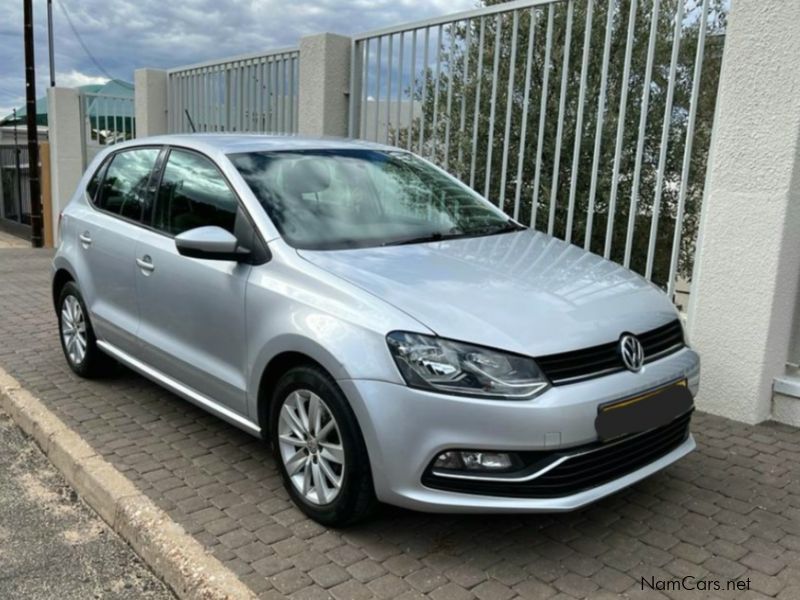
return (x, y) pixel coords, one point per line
(77, 336)
(319, 448)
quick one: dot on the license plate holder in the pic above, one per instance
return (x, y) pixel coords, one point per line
(643, 412)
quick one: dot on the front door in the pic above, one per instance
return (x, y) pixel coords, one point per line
(192, 325)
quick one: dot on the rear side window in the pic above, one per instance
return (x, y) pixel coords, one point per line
(94, 182)
(124, 189)
(193, 193)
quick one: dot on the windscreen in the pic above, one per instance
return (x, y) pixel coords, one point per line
(333, 199)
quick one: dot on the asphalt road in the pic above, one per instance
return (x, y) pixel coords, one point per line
(51, 544)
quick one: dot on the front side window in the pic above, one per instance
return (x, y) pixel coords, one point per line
(329, 199)
(193, 193)
(124, 190)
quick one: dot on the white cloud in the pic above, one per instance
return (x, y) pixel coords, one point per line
(75, 78)
(128, 34)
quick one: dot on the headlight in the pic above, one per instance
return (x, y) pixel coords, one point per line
(446, 366)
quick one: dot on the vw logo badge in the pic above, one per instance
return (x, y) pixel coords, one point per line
(631, 351)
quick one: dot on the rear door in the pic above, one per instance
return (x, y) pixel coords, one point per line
(192, 325)
(119, 195)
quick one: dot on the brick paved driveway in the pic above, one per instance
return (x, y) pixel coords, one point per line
(730, 510)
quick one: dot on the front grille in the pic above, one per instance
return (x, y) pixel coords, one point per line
(579, 365)
(588, 466)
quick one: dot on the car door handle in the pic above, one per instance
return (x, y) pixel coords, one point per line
(146, 264)
(85, 239)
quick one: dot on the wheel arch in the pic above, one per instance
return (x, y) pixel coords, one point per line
(272, 372)
(61, 277)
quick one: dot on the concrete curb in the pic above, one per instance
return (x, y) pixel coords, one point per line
(175, 556)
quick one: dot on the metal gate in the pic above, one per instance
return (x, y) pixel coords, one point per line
(15, 196)
(107, 120)
(254, 92)
(584, 118)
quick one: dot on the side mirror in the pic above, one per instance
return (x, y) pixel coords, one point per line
(211, 243)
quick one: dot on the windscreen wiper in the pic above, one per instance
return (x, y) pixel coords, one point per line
(436, 236)
(431, 237)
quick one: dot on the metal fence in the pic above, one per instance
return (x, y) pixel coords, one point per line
(585, 118)
(15, 195)
(255, 93)
(107, 120)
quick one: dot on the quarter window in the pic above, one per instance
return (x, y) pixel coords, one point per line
(94, 182)
(124, 189)
(193, 193)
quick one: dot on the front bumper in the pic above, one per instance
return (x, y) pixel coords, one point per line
(405, 428)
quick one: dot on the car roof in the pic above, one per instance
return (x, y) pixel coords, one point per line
(231, 143)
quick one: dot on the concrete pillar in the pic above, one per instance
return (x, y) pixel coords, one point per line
(66, 147)
(745, 282)
(150, 102)
(324, 84)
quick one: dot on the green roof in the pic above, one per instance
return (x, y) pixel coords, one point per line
(113, 87)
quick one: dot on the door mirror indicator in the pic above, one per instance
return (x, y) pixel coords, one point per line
(211, 243)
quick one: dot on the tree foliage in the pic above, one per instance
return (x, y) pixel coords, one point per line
(473, 147)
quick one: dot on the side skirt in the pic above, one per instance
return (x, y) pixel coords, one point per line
(180, 389)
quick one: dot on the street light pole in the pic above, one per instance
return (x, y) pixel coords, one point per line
(33, 139)
(50, 47)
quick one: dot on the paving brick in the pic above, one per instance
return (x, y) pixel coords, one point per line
(388, 586)
(366, 570)
(290, 581)
(724, 567)
(346, 555)
(765, 584)
(575, 585)
(269, 534)
(764, 564)
(690, 552)
(466, 575)
(253, 551)
(534, 590)
(271, 565)
(351, 590)
(492, 590)
(309, 560)
(613, 580)
(402, 564)
(426, 580)
(312, 592)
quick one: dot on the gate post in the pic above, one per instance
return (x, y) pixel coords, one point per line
(324, 84)
(745, 284)
(150, 102)
(65, 131)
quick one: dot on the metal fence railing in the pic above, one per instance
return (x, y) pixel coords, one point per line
(107, 120)
(588, 119)
(256, 92)
(15, 195)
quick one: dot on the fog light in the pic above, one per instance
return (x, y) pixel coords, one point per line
(473, 461)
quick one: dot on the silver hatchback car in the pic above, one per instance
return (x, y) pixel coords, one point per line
(392, 334)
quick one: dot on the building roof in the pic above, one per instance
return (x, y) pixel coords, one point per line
(113, 87)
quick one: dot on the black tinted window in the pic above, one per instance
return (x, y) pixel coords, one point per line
(193, 193)
(124, 188)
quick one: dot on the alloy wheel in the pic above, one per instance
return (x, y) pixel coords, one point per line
(311, 448)
(73, 329)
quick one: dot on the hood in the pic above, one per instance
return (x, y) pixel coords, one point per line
(524, 292)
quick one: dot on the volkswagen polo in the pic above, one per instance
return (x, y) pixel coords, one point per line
(393, 335)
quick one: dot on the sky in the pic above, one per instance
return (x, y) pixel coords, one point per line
(123, 35)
